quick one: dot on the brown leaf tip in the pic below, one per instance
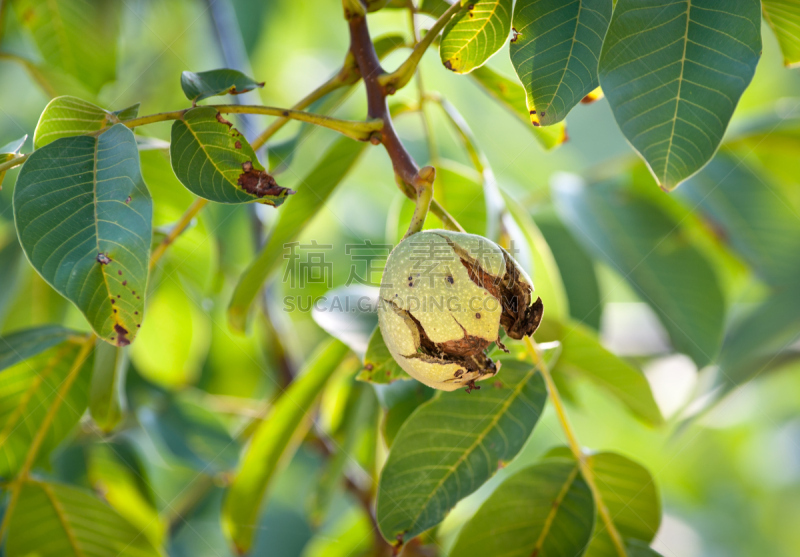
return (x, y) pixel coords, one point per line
(103, 259)
(259, 182)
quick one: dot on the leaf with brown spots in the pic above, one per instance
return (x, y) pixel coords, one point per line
(213, 160)
(80, 234)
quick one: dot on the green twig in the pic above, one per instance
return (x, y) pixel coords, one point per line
(572, 440)
(361, 131)
(424, 188)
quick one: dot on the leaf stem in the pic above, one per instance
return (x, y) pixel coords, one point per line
(177, 230)
(361, 131)
(16, 161)
(575, 446)
(328, 87)
(424, 187)
(401, 76)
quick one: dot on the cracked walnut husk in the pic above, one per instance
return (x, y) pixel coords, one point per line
(444, 296)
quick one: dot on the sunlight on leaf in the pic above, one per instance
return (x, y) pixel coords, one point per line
(473, 35)
(55, 520)
(783, 16)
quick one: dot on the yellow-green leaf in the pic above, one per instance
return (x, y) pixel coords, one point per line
(471, 37)
(67, 116)
(783, 16)
(55, 520)
(273, 445)
(511, 95)
(29, 389)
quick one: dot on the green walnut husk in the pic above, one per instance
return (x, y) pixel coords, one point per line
(444, 296)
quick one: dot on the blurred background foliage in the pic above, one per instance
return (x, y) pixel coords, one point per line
(727, 462)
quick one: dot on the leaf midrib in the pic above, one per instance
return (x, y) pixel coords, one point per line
(664, 182)
(61, 518)
(554, 508)
(478, 440)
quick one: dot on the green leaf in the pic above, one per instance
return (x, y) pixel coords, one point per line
(77, 36)
(21, 345)
(405, 398)
(760, 340)
(639, 240)
(783, 16)
(461, 193)
(58, 520)
(213, 160)
(273, 445)
(202, 85)
(114, 470)
(751, 214)
(379, 366)
(83, 215)
(576, 269)
(451, 445)
(544, 510)
(28, 390)
(512, 96)
(473, 35)
(360, 416)
(583, 355)
(69, 116)
(673, 74)
(128, 113)
(11, 261)
(638, 548)
(317, 186)
(629, 492)
(192, 433)
(534, 255)
(107, 390)
(174, 341)
(555, 53)
(8, 152)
